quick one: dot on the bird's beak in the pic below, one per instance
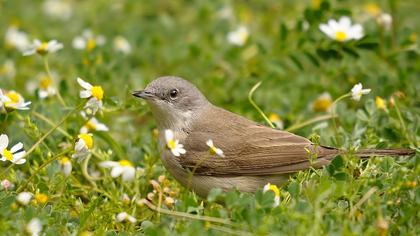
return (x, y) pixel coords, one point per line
(143, 94)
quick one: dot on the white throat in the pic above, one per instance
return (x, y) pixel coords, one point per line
(170, 118)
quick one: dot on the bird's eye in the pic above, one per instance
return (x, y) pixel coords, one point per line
(174, 93)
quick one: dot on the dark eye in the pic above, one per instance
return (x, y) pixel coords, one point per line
(174, 93)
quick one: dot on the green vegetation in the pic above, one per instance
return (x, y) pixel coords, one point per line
(302, 72)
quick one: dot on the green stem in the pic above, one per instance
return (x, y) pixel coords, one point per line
(85, 172)
(256, 106)
(77, 108)
(46, 135)
(42, 167)
(195, 168)
(333, 106)
(51, 123)
(400, 118)
(183, 214)
(47, 69)
(309, 122)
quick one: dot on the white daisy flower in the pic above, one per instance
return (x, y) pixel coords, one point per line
(275, 189)
(276, 120)
(385, 20)
(60, 9)
(6, 184)
(43, 48)
(83, 146)
(13, 100)
(357, 91)
(121, 44)
(239, 36)
(24, 198)
(123, 168)
(15, 154)
(342, 30)
(94, 93)
(46, 88)
(34, 227)
(93, 125)
(225, 13)
(214, 149)
(16, 39)
(124, 216)
(323, 103)
(125, 198)
(65, 166)
(176, 148)
(8, 69)
(88, 41)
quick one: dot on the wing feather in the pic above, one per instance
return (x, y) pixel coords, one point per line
(249, 148)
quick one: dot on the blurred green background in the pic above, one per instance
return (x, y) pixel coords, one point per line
(285, 50)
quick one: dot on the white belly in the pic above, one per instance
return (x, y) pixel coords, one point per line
(203, 184)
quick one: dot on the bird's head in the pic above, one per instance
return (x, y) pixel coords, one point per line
(173, 100)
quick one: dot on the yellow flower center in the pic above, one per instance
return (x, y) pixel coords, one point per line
(171, 144)
(243, 36)
(315, 4)
(90, 125)
(97, 92)
(91, 44)
(41, 198)
(413, 37)
(125, 163)
(7, 154)
(13, 96)
(43, 49)
(380, 103)
(322, 105)
(213, 150)
(340, 36)
(373, 9)
(64, 160)
(45, 82)
(274, 117)
(87, 139)
(275, 190)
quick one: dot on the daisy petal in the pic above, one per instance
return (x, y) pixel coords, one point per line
(19, 155)
(116, 171)
(129, 174)
(4, 141)
(84, 84)
(20, 161)
(85, 94)
(16, 147)
(108, 164)
(169, 135)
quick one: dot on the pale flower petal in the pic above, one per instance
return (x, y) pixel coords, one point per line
(84, 84)
(24, 198)
(108, 164)
(4, 141)
(34, 227)
(129, 174)
(121, 216)
(169, 135)
(117, 171)
(16, 147)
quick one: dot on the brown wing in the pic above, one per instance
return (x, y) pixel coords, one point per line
(249, 148)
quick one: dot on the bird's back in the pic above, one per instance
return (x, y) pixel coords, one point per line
(249, 148)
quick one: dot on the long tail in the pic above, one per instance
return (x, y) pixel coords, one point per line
(366, 153)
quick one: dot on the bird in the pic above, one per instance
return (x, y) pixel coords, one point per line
(253, 154)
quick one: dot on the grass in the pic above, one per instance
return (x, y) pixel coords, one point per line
(295, 63)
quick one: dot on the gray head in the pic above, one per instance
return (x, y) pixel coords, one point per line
(172, 100)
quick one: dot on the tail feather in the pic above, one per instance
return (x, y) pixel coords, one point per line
(366, 153)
